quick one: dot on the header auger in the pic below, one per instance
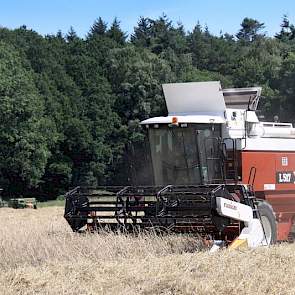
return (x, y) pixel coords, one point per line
(217, 171)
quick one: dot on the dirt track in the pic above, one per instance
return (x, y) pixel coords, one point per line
(40, 255)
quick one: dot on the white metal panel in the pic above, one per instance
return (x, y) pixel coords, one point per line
(205, 118)
(253, 233)
(270, 144)
(194, 97)
(251, 117)
(281, 132)
(258, 143)
(233, 209)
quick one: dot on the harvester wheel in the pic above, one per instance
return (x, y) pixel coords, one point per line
(268, 221)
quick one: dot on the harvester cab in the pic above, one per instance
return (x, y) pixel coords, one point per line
(202, 183)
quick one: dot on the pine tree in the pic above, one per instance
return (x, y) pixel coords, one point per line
(142, 33)
(59, 35)
(71, 35)
(98, 28)
(115, 32)
(250, 30)
(287, 30)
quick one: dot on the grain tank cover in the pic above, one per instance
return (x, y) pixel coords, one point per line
(242, 98)
(194, 98)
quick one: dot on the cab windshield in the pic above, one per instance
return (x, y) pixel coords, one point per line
(186, 155)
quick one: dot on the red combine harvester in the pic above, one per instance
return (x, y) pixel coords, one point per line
(218, 171)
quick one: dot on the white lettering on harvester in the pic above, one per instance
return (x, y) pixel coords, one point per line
(284, 177)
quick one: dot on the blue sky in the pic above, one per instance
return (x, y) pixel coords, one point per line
(49, 16)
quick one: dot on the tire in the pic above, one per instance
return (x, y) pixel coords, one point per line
(268, 221)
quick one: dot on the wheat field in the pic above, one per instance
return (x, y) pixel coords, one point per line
(40, 255)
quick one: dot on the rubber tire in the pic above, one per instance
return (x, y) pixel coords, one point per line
(265, 209)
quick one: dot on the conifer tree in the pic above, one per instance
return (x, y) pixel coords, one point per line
(98, 28)
(115, 32)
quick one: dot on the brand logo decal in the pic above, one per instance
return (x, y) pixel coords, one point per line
(230, 206)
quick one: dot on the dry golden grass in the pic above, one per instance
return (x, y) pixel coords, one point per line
(40, 255)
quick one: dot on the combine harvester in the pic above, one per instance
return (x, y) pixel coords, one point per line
(218, 172)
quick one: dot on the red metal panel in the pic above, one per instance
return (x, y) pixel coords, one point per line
(264, 162)
(283, 203)
(271, 168)
(267, 165)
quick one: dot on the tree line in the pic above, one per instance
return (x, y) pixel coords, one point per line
(70, 106)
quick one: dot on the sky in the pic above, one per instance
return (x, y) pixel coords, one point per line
(50, 16)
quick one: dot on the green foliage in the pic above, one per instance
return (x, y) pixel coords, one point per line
(287, 32)
(26, 132)
(250, 30)
(136, 76)
(99, 28)
(115, 33)
(70, 107)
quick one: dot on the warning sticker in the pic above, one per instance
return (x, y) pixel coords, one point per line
(269, 186)
(284, 161)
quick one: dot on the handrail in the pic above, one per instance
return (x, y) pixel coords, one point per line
(275, 124)
(252, 176)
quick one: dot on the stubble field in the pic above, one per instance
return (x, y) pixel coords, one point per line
(40, 255)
